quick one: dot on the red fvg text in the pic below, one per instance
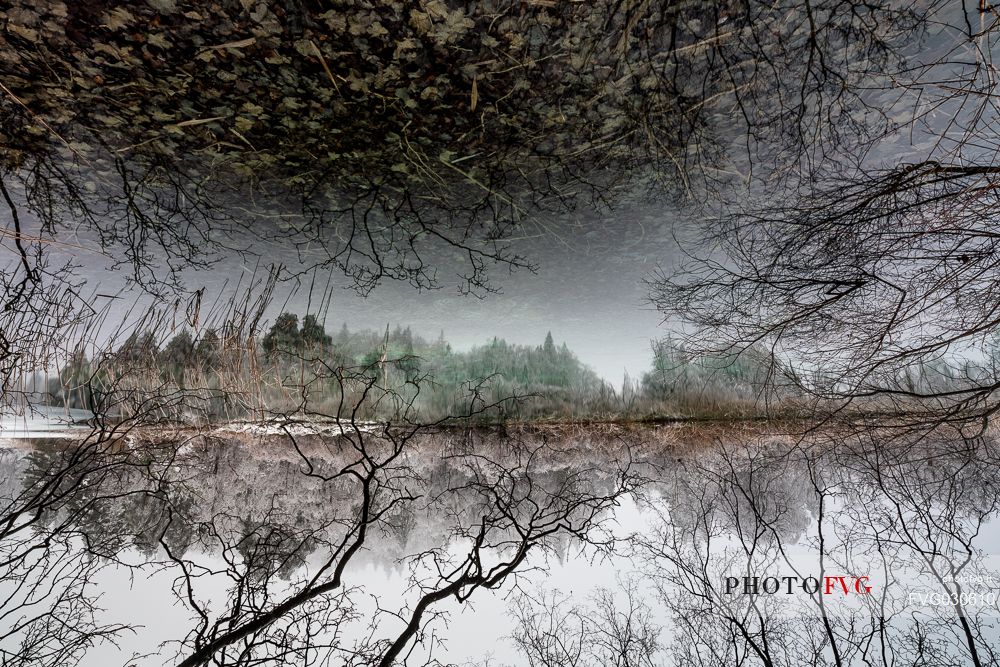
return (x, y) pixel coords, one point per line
(829, 585)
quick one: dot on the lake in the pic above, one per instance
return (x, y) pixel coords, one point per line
(547, 545)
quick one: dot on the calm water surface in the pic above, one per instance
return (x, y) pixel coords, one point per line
(554, 546)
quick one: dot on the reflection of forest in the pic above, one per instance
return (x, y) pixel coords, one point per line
(746, 480)
(909, 510)
(255, 484)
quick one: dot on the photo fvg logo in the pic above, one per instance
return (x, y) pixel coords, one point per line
(828, 585)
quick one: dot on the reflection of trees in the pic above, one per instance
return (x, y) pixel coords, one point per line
(496, 509)
(282, 517)
(47, 556)
(555, 631)
(457, 511)
(907, 509)
(754, 491)
(934, 497)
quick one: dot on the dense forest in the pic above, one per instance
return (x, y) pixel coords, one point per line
(298, 362)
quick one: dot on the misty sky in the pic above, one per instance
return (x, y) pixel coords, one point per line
(587, 291)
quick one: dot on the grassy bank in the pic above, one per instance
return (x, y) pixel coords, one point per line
(293, 369)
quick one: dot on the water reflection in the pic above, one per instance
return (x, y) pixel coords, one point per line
(864, 546)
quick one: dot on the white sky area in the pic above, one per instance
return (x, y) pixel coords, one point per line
(588, 291)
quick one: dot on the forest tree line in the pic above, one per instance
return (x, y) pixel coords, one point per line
(528, 381)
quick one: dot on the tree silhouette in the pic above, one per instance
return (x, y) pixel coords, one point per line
(284, 335)
(178, 353)
(865, 273)
(373, 140)
(207, 349)
(313, 334)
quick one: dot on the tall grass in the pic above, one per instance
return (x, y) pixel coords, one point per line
(222, 375)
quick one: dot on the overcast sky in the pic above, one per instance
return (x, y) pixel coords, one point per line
(587, 291)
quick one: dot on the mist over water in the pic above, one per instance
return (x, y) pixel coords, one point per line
(240, 521)
(542, 334)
